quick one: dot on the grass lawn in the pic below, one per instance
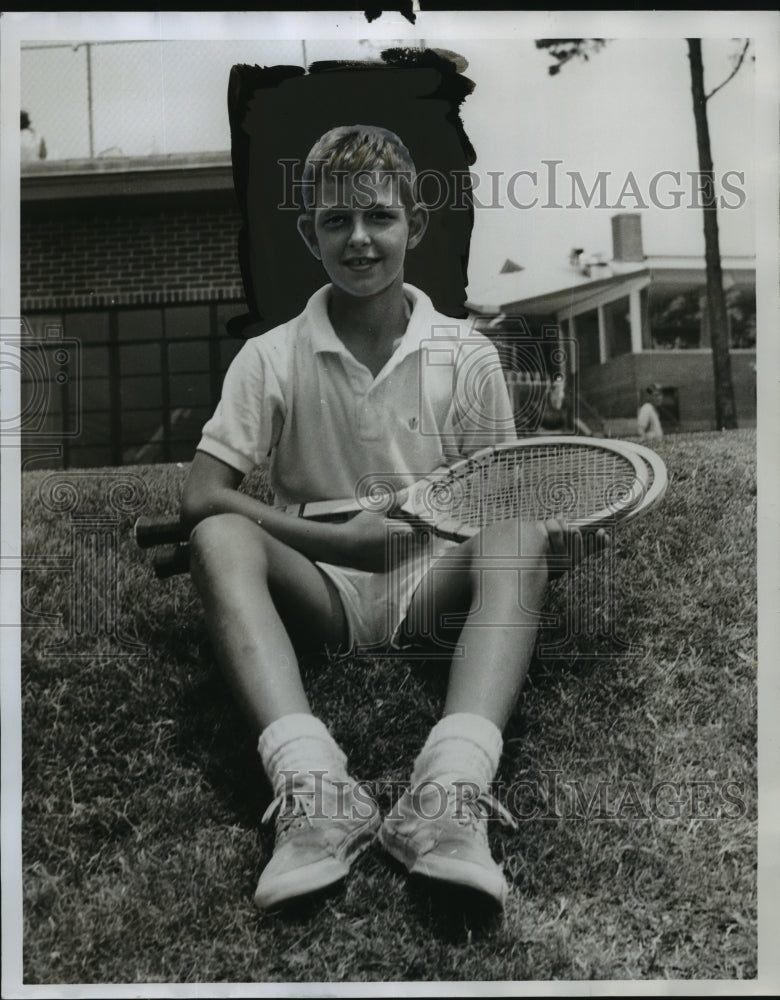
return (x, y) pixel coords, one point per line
(630, 763)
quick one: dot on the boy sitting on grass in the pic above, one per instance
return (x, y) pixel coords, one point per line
(368, 380)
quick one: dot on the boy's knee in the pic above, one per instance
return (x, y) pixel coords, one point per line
(222, 537)
(219, 526)
(513, 546)
(525, 539)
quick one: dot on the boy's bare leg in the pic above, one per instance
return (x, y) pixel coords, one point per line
(256, 592)
(499, 635)
(492, 594)
(493, 587)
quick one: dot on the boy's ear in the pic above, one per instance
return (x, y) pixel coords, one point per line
(306, 229)
(418, 223)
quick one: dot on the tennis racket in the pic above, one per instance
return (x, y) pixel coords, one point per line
(585, 482)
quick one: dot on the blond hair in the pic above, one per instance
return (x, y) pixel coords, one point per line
(359, 149)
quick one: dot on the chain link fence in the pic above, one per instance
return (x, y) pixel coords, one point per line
(152, 98)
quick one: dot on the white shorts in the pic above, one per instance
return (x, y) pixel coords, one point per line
(375, 604)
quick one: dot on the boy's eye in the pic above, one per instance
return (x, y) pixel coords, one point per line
(333, 221)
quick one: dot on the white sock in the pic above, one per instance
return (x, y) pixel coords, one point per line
(460, 747)
(299, 743)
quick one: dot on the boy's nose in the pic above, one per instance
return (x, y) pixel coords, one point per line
(359, 232)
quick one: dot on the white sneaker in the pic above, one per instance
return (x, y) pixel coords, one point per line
(322, 826)
(440, 831)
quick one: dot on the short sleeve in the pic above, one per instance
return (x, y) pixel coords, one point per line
(482, 411)
(247, 422)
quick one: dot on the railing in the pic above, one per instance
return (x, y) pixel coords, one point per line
(142, 98)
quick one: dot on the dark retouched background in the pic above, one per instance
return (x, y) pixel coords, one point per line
(277, 113)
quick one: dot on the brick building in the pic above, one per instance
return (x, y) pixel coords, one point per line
(631, 321)
(132, 299)
(129, 275)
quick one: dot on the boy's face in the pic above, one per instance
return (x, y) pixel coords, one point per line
(361, 230)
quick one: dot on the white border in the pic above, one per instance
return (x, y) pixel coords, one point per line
(763, 27)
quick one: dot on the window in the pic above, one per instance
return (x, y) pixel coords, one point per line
(617, 324)
(741, 309)
(139, 324)
(187, 356)
(677, 315)
(187, 322)
(87, 327)
(586, 331)
(144, 382)
(674, 315)
(139, 359)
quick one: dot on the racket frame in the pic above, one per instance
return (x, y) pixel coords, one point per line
(416, 505)
(172, 559)
(658, 486)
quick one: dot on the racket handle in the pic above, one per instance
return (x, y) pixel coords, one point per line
(171, 561)
(324, 510)
(150, 531)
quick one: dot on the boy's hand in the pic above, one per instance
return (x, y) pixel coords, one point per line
(374, 542)
(569, 545)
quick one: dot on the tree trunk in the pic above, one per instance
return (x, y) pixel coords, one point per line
(725, 410)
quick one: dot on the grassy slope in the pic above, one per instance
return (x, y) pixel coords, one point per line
(142, 794)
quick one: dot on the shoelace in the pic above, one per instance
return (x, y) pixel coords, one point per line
(290, 806)
(471, 808)
(482, 806)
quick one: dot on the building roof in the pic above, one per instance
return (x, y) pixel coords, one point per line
(545, 287)
(51, 180)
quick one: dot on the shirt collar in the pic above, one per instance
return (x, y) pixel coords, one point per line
(323, 338)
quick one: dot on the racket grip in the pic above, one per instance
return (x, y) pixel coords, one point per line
(150, 531)
(335, 511)
(171, 561)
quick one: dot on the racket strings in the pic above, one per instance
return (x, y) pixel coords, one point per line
(539, 483)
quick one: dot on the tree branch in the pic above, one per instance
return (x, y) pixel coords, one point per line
(733, 73)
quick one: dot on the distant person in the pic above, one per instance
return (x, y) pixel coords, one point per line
(32, 145)
(558, 416)
(648, 421)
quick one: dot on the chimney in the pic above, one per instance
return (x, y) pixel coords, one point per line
(627, 237)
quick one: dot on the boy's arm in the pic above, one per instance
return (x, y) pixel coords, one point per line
(212, 488)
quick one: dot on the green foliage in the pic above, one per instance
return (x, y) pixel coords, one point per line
(142, 790)
(565, 49)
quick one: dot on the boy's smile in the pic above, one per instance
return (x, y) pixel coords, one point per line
(361, 230)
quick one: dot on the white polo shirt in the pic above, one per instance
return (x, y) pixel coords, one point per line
(297, 396)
